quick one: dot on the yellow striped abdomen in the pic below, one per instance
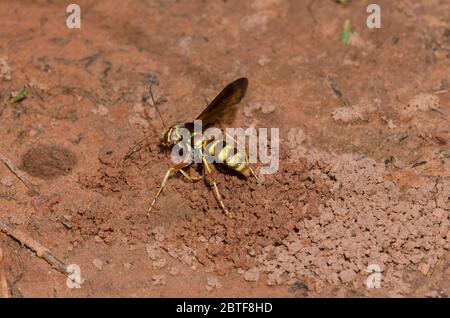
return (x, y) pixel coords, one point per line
(227, 155)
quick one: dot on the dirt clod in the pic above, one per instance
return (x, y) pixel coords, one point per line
(158, 280)
(212, 283)
(98, 264)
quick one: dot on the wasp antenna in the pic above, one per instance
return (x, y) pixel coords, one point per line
(156, 107)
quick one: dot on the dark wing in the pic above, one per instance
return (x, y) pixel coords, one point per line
(231, 95)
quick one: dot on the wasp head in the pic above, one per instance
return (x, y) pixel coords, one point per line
(172, 136)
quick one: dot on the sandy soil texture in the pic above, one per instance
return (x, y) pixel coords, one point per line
(362, 193)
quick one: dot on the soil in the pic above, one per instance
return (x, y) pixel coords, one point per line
(363, 184)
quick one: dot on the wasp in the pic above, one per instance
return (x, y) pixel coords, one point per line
(228, 155)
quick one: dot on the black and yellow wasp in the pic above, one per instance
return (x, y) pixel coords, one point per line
(228, 156)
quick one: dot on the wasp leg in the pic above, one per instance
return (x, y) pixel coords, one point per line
(216, 189)
(188, 177)
(245, 154)
(163, 183)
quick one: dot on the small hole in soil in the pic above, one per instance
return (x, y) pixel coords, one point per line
(48, 161)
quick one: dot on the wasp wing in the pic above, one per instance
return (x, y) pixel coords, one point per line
(231, 95)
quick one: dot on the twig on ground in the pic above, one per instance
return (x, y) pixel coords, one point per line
(418, 163)
(35, 246)
(20, 175)
(4, 291)
(336, 90)
(88, 60)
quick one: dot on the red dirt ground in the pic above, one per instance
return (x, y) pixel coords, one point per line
(364, 173)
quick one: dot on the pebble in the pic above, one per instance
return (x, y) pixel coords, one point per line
(212, 283)
(139, 108)
(174, 271)
(159, 280)
(7, 181)
(424, 268)
(160, 263)
(98, 264)
(127, 265)
(100, 110)
(347, 276)
(138, 121)
(252, 275)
